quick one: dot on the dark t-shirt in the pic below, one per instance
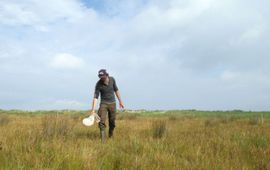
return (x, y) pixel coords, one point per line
(106, 91)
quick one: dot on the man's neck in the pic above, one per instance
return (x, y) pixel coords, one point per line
(107, 80)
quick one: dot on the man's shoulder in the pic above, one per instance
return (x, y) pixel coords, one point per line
(98, 82)
(111, 77)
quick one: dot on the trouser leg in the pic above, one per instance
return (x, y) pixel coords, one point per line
(102, 135)
(112, 116)
(102, 114)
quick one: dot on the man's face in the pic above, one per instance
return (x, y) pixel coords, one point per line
(103, 78)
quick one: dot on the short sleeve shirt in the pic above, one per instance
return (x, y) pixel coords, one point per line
(106, 91)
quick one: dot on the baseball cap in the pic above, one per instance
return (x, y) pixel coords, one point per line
(102, 73)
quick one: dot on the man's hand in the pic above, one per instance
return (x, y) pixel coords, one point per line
(94, 103)
(92, 112)
(121, 105)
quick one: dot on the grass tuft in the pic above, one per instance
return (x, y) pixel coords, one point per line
(4, 119)
(154, 140)
(159, 128)
(56, 126)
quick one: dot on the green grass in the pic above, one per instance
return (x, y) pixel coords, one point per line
(187, 139)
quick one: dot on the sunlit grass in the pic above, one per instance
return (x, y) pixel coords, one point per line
(170, 140)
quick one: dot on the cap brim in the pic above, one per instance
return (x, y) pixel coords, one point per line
(100, 76)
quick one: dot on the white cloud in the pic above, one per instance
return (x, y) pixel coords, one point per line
(249, 36)
(179, 41)
(66, 61)
(252, 34)
(156, 17)
(228, 75)
(64, 103)
(39, 13)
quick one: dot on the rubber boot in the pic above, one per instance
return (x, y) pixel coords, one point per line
(102, 135)
(110, 133)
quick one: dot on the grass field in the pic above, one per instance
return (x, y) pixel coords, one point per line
(144, 140)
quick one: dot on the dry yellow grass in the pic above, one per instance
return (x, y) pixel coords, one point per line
(141, 142)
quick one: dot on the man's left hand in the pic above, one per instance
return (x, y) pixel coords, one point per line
(121, 104)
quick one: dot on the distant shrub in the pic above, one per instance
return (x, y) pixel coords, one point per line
(55, 126)
(4, 120)
(171, 112)
(238, 110)
(225, 119)
(256, 120)
(75, 117)
(159, 128)
(228, 119)
(172, 117)
(191, 116)
(211, 122)
(127, 116)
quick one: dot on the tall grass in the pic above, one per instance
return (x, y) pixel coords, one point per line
(128, 116)
(56, 126)
(159, 128)
(257, 119)
(4, 119)
(60, 141)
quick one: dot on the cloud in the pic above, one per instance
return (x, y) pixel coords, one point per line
(66, 61)
(70, 103)
(249, 36)
(212, 50)
(40, 14)
(252, 33)
(228, 75)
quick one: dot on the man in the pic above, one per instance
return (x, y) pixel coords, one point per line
(106, 87)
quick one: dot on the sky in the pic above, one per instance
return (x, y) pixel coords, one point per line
(173, 54)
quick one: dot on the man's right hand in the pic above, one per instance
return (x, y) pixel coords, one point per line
(92, 112)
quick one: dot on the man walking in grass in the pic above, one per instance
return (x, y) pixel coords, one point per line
(106, 87)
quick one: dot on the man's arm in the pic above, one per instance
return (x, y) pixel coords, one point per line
(94, 103)
(116, 90)
(121, 104)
